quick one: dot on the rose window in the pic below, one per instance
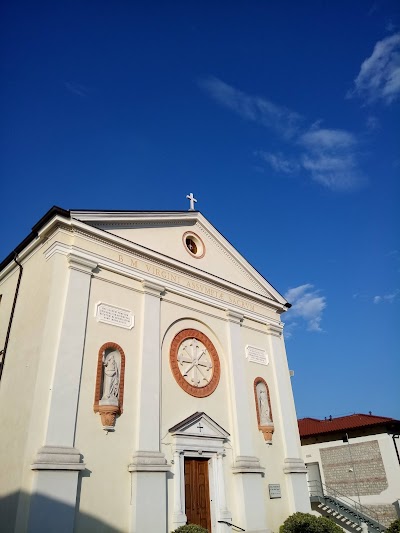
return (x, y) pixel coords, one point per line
(194, 363)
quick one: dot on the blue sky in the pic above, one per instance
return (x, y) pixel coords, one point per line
(281, 117)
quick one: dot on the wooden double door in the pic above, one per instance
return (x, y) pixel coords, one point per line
(197, 493)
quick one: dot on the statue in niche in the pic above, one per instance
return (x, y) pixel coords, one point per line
(111, 378)
(265, 415)
(109, 391)
(265, 423)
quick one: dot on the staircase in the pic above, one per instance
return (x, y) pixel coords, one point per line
(346, 512)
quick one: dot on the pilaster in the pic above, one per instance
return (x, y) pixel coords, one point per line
(149, 466)
(148, 383)
(240, 407)
(57, 463)
(293, 465)
(179, 516)
(247, 469)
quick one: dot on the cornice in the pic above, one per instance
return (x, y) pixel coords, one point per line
(168, 286)
(134, 217)
(146, 254)
(169, 218)
(228, 255)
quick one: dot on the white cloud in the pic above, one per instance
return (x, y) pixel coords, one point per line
(308, 304)
(387, 298)
(327, 139)
(327, 155)
(330, 158)
(254, 108)
(379, 76)
(338, 172)
(278, 162)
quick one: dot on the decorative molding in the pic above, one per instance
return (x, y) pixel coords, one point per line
(143, 218)
(152, 288)
(109, 410)
(189, 428)
(294, 465)
(229, 255)
(245, 464)
(267, 429)
(82, 264)
(146, 461)
(108, 414)
(127, 270)
(234, 316)
(275, 329)
(197, 392)
(58, 458)
(80, 229)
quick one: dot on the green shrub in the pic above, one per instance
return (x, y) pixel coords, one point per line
(308, 523)
(190, 528)
(394, 527)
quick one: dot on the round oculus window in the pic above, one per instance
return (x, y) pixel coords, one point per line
(193, 244)
(195, 363)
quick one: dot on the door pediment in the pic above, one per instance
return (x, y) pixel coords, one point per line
(199, 425)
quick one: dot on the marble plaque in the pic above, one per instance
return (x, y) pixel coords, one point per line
(274, 490)
(256, 355)
(116, 316)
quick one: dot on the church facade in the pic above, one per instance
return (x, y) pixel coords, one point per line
(144, 380)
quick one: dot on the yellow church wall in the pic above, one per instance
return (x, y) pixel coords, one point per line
(271, 455)
(27, 374)
(105, 492)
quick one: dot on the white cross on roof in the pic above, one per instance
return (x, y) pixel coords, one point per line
(192, 201)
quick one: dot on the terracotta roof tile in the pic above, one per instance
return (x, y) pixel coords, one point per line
(314, 426)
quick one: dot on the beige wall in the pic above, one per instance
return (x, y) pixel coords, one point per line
(24, 388)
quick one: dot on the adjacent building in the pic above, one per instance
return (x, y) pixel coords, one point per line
(354, 459)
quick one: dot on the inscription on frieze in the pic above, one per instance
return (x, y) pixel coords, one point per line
(187, 282)
(116, 316)
(256, 355)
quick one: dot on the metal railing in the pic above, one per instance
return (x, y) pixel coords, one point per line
(344, 505)
(237, 528)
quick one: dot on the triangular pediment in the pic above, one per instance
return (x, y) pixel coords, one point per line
(164, 233)
(199, 425)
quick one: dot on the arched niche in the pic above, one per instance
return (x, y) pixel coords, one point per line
(109, 391)
(263, 408)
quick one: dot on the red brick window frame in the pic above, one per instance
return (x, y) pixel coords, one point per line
(256, 382)
(197, 392)
(109, 346)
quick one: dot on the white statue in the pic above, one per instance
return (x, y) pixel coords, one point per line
(110, 378)
(265, 415)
